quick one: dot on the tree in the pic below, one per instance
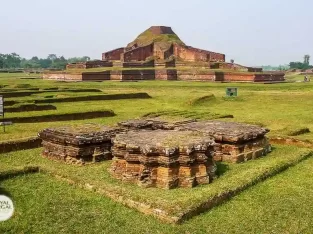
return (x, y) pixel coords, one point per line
(306, 59)
(52, 57)
(232, 61)
(13, 60)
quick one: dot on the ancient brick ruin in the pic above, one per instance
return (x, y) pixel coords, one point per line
(89, 64)
(163, 158)
(80, 145)
(234, 142)
(167, 74)
(159, 54)
(155, 153)
(161, 43)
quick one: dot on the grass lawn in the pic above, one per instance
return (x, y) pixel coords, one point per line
(283, 108)
(172, 204)
(282, 204)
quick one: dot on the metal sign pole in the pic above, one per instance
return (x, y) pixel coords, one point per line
(2, 111)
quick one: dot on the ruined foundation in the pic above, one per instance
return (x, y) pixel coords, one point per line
(87, 144)
(163, 158)
(234, 142)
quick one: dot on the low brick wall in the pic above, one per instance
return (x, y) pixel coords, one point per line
(233, 77)
(116, 75)
(62, 76)
(161, 74)
(196, 75)
(169, 74)
(269, 77)
(166, 74)
(21, 144)
(138, 75)
(96, 76)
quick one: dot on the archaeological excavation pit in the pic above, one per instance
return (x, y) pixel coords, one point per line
(163, 158)
(88, 143)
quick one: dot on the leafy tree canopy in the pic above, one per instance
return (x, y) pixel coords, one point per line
(13, 61)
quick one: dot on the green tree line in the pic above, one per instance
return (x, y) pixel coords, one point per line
(15, 61)
(302, 65)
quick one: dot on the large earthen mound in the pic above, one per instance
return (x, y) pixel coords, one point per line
(162, 35)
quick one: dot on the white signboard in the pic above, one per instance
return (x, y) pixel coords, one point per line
(1, 105)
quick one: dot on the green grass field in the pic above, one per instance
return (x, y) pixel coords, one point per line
(281, 204)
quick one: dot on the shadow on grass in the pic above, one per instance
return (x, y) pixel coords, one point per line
(4, 192)
(222, 168)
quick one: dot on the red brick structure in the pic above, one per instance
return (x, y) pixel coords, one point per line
(167, 57)
(139, 53)
(161, 43)
(167, 74)
(113, 55)
(89, 64)
(188, 53)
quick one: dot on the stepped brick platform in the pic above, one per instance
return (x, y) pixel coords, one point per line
(85, 144)
(163, 158)
(235, 142)
(145, 124)
(151, 124)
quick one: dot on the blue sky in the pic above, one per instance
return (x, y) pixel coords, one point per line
(253, 32)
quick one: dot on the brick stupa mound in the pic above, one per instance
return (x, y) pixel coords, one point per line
(163, 158)
(156, 34)
(78, 145)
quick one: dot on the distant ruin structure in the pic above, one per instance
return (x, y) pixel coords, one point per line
(161, 43)
(159, 54)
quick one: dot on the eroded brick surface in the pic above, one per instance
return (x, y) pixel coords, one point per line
(78, 145)
(163, 158)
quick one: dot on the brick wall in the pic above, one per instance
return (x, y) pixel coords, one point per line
(96, 76)
(269, 77)
(166, 74)
(138, 64)
(161, 74)
(231, 77)
(195, 75)
(116, 75)
(138, 75)
(139, 54)
(188, 53)
(89, 64)
(216, 57)
(62, 76)
(113, 54)
(230, 66)
(76, 66)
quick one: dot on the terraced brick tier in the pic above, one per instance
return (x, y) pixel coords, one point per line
(163, 158)
(235, 142)
(231, 132)
(151, 124)
(88, 143)
(145, 124)
(82, 135)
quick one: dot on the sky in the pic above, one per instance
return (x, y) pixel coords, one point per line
(252, 32)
